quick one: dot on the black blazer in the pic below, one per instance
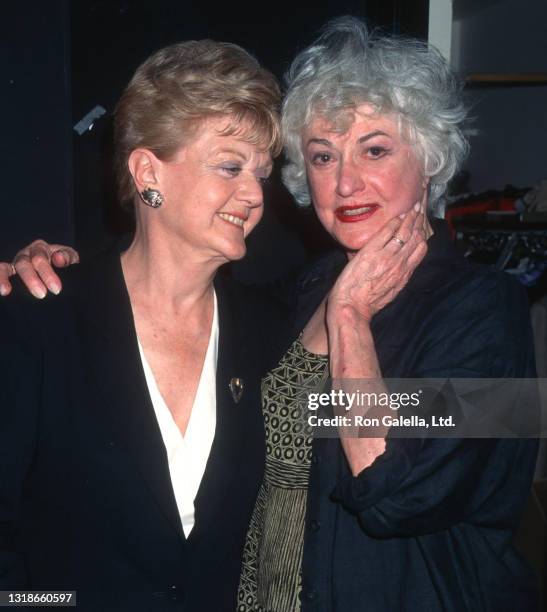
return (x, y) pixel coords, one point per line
(86, 501)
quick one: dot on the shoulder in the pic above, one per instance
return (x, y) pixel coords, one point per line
(254, 303)
(479, 318)
(321, 270)
(260, 318)
(459, 318)
(462, 289)
(91, 277)
(453, 284)
(311, 285)
(21, 326)
(83, 283)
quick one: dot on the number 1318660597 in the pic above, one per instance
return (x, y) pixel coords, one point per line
(37, 598)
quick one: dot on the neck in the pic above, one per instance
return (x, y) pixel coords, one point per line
(172, 275)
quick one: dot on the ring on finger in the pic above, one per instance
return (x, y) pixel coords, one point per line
(399, 240)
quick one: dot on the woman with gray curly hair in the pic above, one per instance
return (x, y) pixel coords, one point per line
(371, 126)
(372, 134)
(403, 78)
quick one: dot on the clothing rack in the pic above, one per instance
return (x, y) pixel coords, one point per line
(509, 241)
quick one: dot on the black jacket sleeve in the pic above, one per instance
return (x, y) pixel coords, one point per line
(20, 375)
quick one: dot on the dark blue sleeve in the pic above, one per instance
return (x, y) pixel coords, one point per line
(420, 486)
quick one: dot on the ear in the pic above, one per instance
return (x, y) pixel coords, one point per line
(143, 166)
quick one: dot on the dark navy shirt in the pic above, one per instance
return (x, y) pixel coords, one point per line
(429, 525)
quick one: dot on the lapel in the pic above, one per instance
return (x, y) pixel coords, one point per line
(110, 345)
(234, 420)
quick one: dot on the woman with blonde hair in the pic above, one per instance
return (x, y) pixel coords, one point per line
(132, 444)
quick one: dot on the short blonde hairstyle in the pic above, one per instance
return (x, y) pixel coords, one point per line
(178, 87)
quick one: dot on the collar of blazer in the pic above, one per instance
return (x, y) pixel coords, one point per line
(110, 344)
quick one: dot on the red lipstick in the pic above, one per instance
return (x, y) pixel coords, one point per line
(351, 214)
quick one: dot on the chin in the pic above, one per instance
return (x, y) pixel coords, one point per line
(239, 256)
(234, 252)
(353, 241)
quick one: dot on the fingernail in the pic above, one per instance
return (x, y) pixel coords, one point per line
(64, 257)
(3, 290)
(402, 216)
(38, 293)
(55, 288)
(417, 206)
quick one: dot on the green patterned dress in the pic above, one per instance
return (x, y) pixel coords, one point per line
(271, 571)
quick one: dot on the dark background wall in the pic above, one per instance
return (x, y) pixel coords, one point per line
(35, 146)
(69, 57)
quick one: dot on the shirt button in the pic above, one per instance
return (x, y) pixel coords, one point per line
(314, 459)
(311, 595)
(315, 526)
(173, 593)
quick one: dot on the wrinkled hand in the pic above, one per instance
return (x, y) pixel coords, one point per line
(378, 272)
(34, 264)
(370, 281)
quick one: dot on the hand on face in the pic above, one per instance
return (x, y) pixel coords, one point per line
(377, 273)
(34, 264)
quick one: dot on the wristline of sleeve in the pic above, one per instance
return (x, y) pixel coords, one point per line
(382, 478)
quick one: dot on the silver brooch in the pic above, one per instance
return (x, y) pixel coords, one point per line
(236, 388)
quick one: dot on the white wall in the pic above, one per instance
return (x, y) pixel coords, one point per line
(440, 26)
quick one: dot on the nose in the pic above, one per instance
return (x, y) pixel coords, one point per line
(350, 178)
(250, 192)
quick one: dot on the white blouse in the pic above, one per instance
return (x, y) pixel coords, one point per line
(187, 455)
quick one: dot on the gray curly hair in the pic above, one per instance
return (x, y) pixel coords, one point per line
(348, 66)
